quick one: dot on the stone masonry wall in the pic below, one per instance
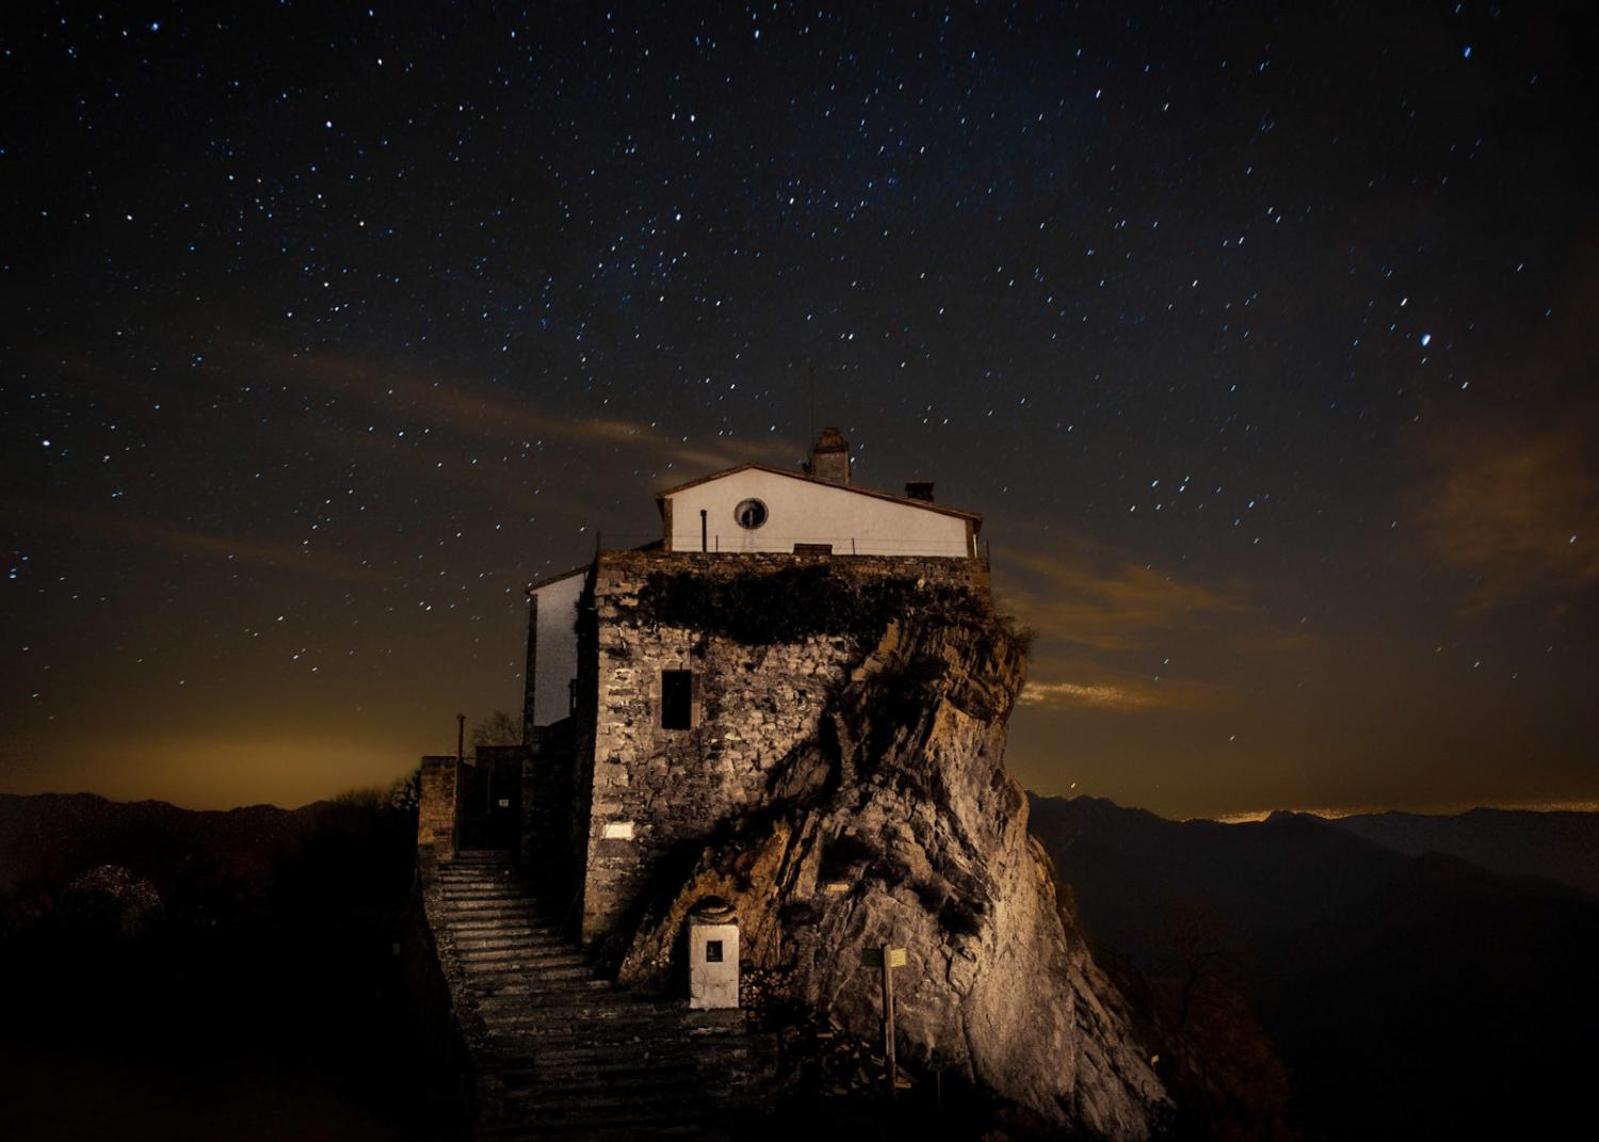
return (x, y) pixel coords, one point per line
(435, 817)
(657, 790)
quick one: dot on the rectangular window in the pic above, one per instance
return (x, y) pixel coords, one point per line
(713, 951)
(677, 699)
(813, 549)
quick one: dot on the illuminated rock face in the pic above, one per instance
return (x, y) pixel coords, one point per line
(705, 695)
(879, 812)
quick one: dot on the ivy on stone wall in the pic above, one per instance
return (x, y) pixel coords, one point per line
(791, 604)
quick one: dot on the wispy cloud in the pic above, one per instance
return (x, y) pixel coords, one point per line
(1093, 598)
(1516, 510)
(458, 406)
(1093, 695)
(1087, 689)
(1510, 498)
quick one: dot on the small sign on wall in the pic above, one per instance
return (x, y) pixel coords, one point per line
(873, 957)
(617, 831)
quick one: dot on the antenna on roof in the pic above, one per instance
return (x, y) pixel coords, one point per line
(810, 434)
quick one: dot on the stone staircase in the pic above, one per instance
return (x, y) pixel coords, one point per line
(557, 1053)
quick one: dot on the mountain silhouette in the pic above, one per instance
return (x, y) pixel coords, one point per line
(1558, 846)
(1409, 996)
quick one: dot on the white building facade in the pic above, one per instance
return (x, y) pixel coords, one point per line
(752, 509)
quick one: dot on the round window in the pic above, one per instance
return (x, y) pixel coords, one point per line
(750, 514)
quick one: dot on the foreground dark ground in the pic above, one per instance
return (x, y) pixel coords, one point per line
(239, 977)
(238, 981)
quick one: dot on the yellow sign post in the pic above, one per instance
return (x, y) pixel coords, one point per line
(888, 958)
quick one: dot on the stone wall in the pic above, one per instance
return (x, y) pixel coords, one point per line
(435, 817)
(658, 794)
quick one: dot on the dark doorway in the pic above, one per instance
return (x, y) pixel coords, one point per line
(489, 802)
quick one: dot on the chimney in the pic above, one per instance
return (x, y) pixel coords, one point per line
(830, 458)
(919, 490)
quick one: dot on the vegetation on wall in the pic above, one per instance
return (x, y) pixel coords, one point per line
(791, 604)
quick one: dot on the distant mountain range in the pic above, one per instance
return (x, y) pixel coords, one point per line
(48, 838)
(1410, 996)
(1560, 846)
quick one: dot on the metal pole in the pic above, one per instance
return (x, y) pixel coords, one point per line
(460, 756)
(705, 543)
(888, 1021)
(811, 426)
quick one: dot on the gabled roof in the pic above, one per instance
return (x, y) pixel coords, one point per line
(926, 505)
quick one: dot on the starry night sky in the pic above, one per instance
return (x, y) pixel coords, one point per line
(1261, 334)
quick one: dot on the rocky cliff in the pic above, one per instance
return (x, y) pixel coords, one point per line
(898, 825)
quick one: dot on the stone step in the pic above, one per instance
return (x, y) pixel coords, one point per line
(616, 1089)
(647, 1105)
(472, 945)
(489, 877)
(479, 898)
(453, 915)
(577, 1060)
(558, 1062)
(516, 920)
(520, 979)
(531, 968)
(469, 903)
(504, 981)
(499, 946)
(702, 1123)
(478, 919)
(565, 996)
(533, 1023)
(486, 903)
(479, 927)
(484, 934)
(534, 1029)
(609, 1005)
(492, 927)
(603, 1008)
(578, 1055)
(503, 935)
